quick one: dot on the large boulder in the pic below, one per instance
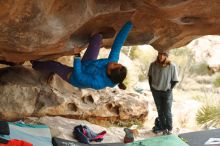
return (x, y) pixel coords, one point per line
(25, 92)
(206, 49)
(33, 29)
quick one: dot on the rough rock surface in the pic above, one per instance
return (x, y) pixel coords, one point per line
(25, 92)
(207, 49)
(34, 29)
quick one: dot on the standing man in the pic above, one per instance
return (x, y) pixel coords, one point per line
(163, 77)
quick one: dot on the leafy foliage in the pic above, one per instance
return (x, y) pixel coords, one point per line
(142, 57)
(217, 82)
(199, 98)
(182, 57)
(200, 69)
(209, 115)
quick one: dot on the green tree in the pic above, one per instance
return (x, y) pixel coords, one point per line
(183, 58)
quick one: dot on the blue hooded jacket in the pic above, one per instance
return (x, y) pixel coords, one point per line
(93, 74)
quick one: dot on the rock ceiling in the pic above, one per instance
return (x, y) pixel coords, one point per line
(34, 29)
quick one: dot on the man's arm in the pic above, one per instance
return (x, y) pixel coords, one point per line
(119, 41)
(150, 76)
(150, 82)
(173, 84)
(175, 78)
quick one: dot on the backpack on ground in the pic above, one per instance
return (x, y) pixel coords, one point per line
(157, 126)
(85, 135)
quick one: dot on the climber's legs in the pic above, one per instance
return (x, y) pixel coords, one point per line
(53, 67)
(92, 51)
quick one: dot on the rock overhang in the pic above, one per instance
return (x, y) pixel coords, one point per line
(49, 29)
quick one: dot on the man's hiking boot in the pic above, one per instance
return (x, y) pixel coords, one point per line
(157, 131)
(167, 132)
(157, 126)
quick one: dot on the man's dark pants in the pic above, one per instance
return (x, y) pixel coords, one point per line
(163, 101)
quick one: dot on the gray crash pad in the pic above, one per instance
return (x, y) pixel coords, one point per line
(200, 137)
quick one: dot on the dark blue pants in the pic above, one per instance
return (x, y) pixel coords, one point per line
(91, 53)
(163, 101)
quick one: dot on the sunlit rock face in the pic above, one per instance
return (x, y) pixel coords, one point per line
(25, 92)
(34, 29)
(207, 49)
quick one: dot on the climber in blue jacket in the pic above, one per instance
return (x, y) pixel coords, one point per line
(90, 72)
